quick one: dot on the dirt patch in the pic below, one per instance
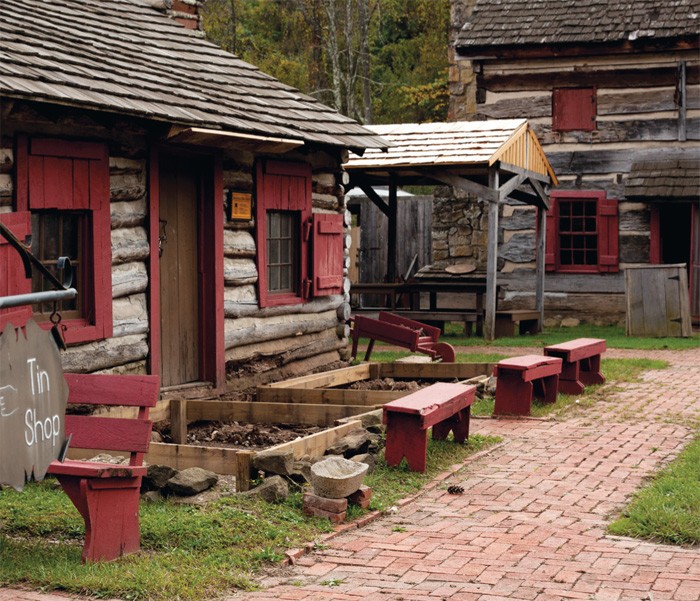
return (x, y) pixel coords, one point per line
(236, 435)
(389, 384)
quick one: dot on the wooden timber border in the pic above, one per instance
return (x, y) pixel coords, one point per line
(312, 400)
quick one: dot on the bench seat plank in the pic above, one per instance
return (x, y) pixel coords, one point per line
(109, 433)
(519, 378)
(581, 366)
(444, 406)
(94, 469)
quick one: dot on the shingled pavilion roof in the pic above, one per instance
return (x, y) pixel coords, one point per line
(498, 23)
(124, 57)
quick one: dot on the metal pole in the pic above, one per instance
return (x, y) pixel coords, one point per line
(34, 298)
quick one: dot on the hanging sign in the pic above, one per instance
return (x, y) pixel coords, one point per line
(33, 397)
(240, 206)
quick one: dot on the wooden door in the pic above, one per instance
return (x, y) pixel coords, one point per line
(179, 289)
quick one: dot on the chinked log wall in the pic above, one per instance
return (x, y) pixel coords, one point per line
(284, 341)
(637, 119)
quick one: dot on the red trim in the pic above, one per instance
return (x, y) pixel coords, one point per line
(607, 227)
(574, 109)
(154, 360)
(655, 235)
(328, 254)
(12, 280)
(211, 287)
(48, 181)
(282, 186)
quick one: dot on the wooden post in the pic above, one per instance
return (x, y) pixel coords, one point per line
(540, 267)
(391, 267)
(178, 421)
(244, 461)
(682, 94)
(491, 262)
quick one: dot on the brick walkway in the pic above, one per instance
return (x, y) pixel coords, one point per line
(531, 523)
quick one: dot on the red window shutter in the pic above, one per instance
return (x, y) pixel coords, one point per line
(12, 276)
(550, 240)
(608, 253)
(327, 254)
(574, 109)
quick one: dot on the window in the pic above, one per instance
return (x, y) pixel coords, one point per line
(283, 207)
(300, 255)
(574, 109)
(65, 186)
(582, 233)
(282, 251)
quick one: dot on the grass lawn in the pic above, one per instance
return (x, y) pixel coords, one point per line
(668, 510)
(188, 553)
(614, 335)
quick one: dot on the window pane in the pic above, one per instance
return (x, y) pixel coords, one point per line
(282, 256)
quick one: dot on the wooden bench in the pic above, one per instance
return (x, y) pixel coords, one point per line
(581, 363)
(105, 494)
(400, 331)
(518, 378)
(528, 322)
(442, 406)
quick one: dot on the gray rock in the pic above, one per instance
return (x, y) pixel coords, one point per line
(490, 389)
(367, 459)
(191, 481)
(274, 462)
(371, 419)
(303, 469)
(156, 436)
(157, 477)
(354, 443)
(152, 496)
(336, 477)
(272, 490)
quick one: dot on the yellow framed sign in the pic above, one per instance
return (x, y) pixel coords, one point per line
(240, 206)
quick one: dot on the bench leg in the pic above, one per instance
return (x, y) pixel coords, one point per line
(110, 509)
(513, 396)
(569, 379)
(546, 388)
(370, 346)
(590, 371)
(458, 424)
(405, 438)
(504, 327)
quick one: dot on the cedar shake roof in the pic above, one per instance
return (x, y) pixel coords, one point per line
(497, 23)
(665, 178)
(121, 56)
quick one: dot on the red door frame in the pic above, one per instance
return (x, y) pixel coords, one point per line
(211, 267)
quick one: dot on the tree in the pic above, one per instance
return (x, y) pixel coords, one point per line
(383, 60)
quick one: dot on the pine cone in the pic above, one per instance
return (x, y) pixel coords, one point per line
(455, 490)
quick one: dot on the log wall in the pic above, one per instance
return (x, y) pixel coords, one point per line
(637, 119)
(265, 344)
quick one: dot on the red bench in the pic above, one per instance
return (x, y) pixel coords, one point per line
(400, 331)
(107, 495)
(444, 407)
(518, 378)
(581, 363)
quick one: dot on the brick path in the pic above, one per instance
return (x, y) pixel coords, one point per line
(531, 523)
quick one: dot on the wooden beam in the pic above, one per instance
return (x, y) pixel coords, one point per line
(437, 371)
(375, 198)
(491, 262)
(682, 93)
(315, 445)
(178, 420)
(451, 179)
(269, 413)
(336, 377)
(541, 194)
(392, 259)
(244, 464)
(328, 396)
(545, 179)
(505, 190)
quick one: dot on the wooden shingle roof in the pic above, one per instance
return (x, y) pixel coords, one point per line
(415, 146)
(665, 177)
(498, 23)
(121, 56)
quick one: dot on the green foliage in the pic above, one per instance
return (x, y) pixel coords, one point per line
(293, 40)
(668, 510)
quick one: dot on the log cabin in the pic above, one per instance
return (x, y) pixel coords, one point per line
(612, 90)
(200, 200)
